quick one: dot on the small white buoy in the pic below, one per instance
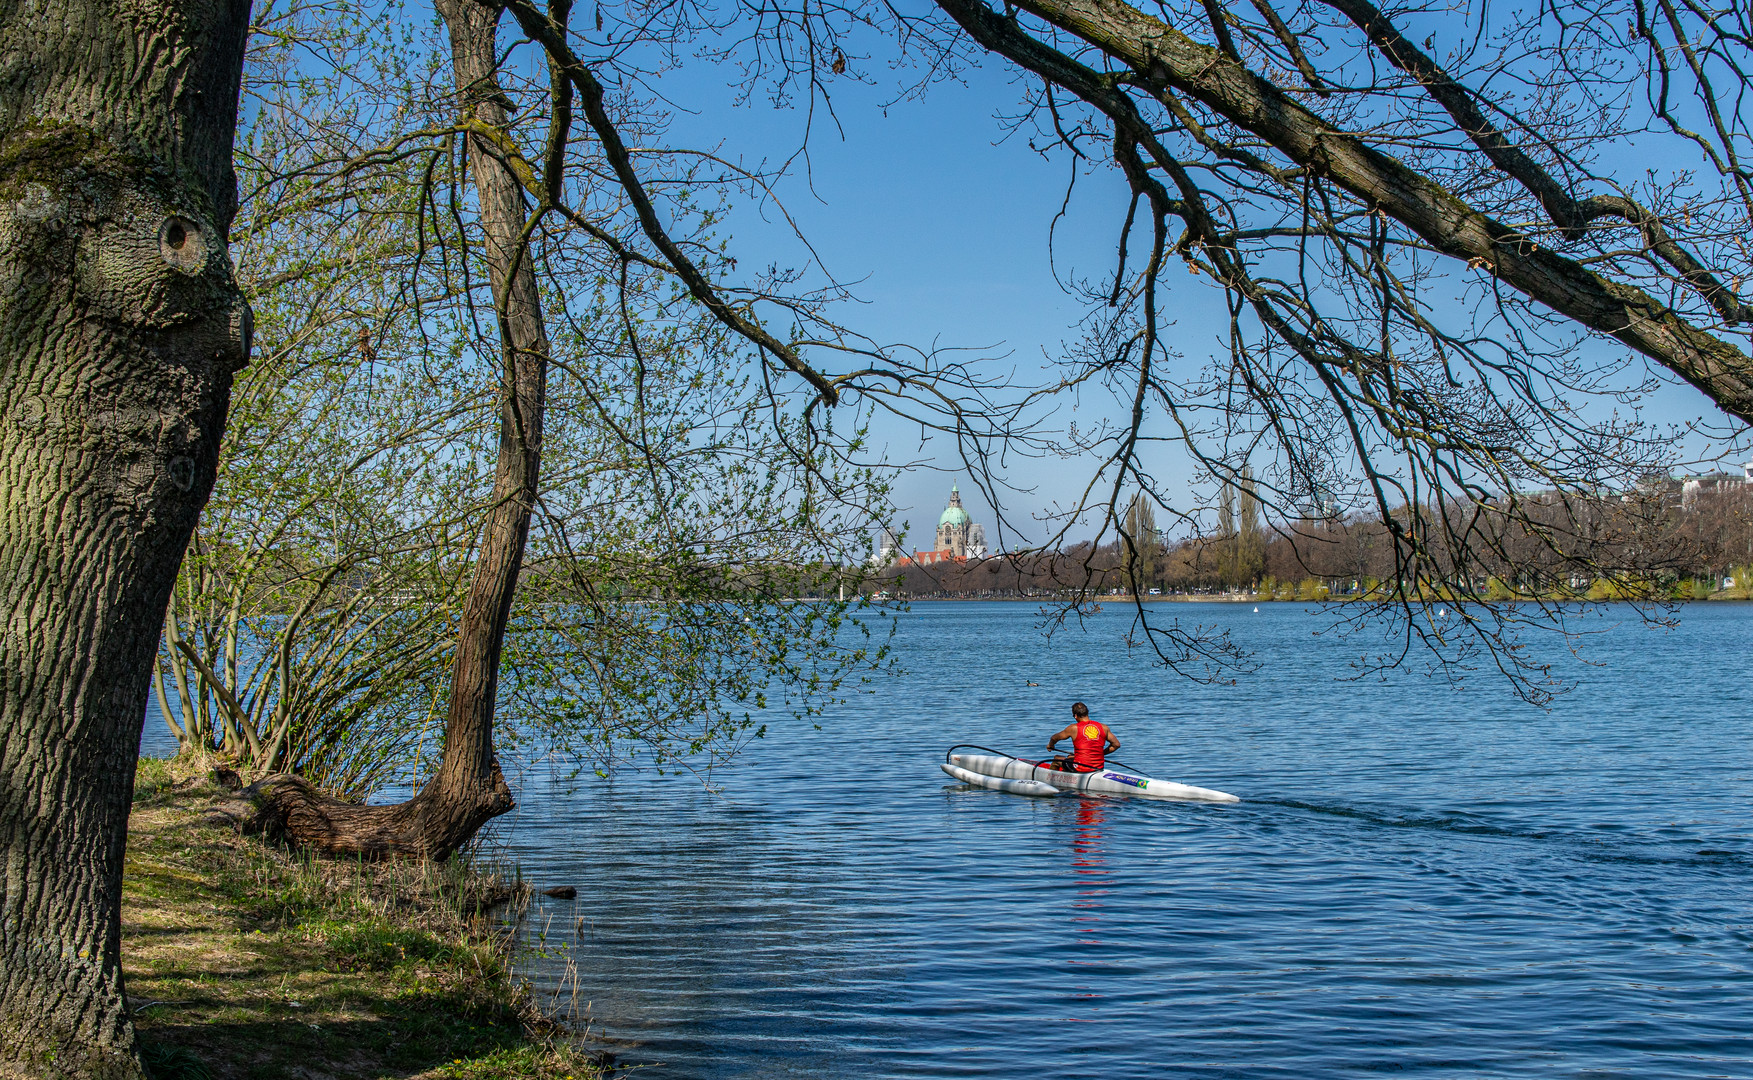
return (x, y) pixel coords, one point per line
(1442, 613)
(1256, 611)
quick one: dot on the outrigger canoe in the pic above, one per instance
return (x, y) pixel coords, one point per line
(1001, 772)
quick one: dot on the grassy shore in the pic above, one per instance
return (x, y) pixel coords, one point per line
(247, 961)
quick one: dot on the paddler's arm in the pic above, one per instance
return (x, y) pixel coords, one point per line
(1053, 743)
(1113, 743)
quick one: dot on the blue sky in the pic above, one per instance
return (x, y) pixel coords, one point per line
(944, 224)
(943, 221)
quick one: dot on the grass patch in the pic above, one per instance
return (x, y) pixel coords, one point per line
(379, 945)
(247, 961)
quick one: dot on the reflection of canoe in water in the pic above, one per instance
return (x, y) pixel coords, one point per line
(1002, 772)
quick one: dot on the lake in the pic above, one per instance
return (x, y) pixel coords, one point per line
(1420, 880)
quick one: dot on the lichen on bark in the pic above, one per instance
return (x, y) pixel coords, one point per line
(120, 328)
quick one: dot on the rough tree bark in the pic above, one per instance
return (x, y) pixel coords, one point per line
(120, 330)
(468, 789)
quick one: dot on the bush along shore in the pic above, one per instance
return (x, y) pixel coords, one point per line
(246, 960)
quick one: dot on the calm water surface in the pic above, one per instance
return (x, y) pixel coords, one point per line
(1420, 880)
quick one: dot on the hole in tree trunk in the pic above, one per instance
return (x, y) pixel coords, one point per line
(180, 243)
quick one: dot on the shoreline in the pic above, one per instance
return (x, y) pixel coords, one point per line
(1249, 598)
(244, 960)
(1184, 598)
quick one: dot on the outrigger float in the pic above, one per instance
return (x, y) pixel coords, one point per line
(1001, 772)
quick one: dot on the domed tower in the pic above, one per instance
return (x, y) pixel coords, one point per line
(952, 527)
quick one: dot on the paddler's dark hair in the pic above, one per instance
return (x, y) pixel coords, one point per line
(1079, 709)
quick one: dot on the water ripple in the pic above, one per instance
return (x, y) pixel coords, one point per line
(1420, 881)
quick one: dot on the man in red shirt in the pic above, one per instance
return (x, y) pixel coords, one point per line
(1091, 742)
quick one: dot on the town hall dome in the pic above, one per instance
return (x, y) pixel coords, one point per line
(959, 538)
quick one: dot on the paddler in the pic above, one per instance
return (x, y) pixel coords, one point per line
(1091, 742)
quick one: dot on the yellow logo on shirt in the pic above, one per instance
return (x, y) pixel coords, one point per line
(1091, 731)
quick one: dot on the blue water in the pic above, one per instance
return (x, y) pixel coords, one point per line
(1420, 880)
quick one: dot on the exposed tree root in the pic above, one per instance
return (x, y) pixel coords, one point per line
(431, 825)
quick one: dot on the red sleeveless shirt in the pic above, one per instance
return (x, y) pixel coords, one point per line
(1089, 744)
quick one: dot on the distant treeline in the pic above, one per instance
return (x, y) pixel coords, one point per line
(1665, 539)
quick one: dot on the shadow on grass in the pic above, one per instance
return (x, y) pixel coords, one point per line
(244, 960)
(295, 1050)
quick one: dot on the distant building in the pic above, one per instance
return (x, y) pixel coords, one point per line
(959, 537)
(1694, 488)
(885, 552)
(1687, 492)
(1323, 505)
(952, 528)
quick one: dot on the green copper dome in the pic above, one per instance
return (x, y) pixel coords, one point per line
(953, 514)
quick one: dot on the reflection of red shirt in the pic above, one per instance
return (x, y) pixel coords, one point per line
(1089, 744)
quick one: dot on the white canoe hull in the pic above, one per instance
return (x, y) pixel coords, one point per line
(993, 767)
(996, 783)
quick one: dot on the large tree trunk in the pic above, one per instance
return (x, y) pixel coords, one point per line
(120, 329)
(468, 789)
